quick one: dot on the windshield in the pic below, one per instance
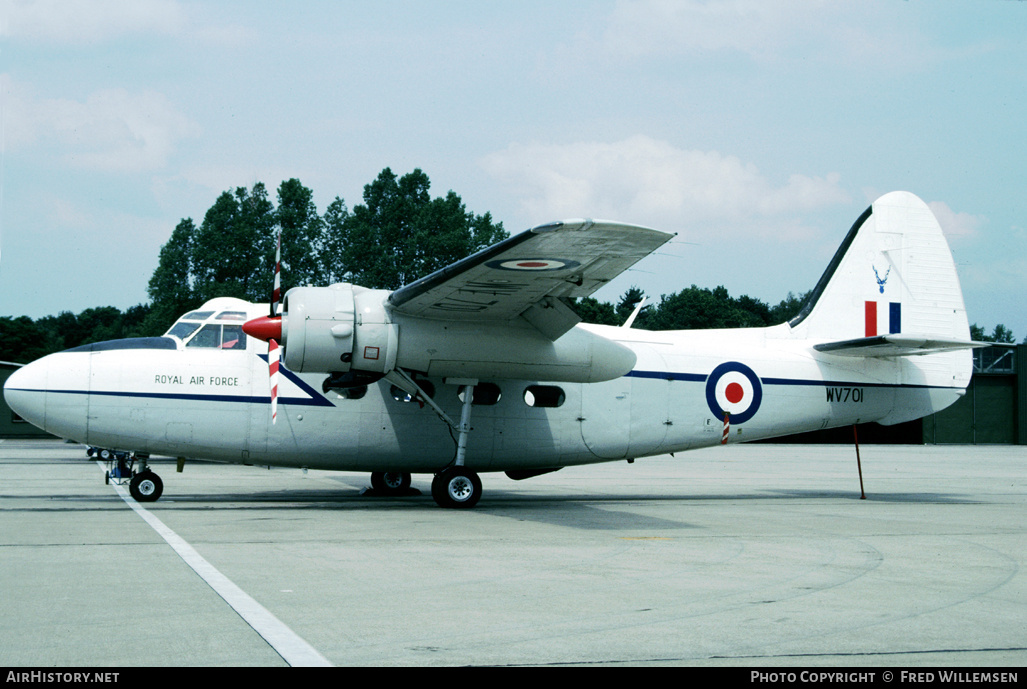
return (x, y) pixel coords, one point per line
(202, 329)
(219, 337)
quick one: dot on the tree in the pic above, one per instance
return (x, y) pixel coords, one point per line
(788, 308)
(23, 340)
(400, 234)
(1000, 334)
(690, 309)
(697, 308)
(332, 267)
(228, 252)
(170, 286)
(591, 310)
(302, 232)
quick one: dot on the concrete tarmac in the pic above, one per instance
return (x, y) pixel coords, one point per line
(747, 555)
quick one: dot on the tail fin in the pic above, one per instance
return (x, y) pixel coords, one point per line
(893, 281)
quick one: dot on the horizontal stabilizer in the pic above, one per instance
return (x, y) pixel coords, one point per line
(896, 345)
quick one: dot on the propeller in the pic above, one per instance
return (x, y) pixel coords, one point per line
(269, 329)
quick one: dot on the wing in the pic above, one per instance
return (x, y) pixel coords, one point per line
(527, 275)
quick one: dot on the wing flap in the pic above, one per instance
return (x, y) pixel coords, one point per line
(896, 345)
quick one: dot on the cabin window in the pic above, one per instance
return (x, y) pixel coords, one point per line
(485, 394)
(544, 396)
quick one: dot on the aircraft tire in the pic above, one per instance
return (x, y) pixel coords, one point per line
(387, 482)
(146, 487)
(456, 487)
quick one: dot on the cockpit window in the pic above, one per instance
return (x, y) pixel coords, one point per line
(209, 336)
(197, 316)
(232, 337)
(232, 316)
(182, 330)
(219, 337)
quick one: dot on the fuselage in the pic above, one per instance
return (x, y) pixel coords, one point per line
(204, 394)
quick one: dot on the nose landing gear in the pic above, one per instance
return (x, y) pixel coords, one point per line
(143, 484)
(146, 486)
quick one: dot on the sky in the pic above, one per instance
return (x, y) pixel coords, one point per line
(756, 130)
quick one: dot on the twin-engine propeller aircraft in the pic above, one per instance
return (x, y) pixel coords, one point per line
(482, 366)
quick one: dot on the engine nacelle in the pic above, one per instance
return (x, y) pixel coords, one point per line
(337, 328)
(348, 331)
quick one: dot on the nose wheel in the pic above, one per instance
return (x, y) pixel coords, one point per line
(456, 487)
(146, 486)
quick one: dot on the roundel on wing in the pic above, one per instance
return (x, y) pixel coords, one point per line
(532, 264)
(734, 388)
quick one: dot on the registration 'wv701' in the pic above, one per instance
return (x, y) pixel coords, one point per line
(845, 395)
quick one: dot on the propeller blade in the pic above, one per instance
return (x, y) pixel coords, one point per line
(272, 360)
(276, 293)
(269, 329)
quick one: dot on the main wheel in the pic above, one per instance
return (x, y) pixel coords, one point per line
(390, 481)
(146, 487)
(456, 487)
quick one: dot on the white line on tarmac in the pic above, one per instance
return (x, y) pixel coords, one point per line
(293, 649)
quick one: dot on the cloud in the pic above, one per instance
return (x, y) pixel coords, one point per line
(862, 35)
(955, 225)
(647, 26)
(86, 21)
(652, 182)
(112, 130)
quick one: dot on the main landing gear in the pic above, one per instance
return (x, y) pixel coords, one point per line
(456, 486)
(390, 482)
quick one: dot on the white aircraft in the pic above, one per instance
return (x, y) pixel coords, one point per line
(482, 367)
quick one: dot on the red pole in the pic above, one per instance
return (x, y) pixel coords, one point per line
(859, 466)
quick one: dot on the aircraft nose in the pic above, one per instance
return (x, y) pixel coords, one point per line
(25, 392)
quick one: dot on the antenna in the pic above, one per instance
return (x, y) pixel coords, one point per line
(634, 314)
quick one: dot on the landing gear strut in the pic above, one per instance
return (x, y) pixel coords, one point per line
(456, 485)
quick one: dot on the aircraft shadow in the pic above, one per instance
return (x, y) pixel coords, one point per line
(598, 512)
